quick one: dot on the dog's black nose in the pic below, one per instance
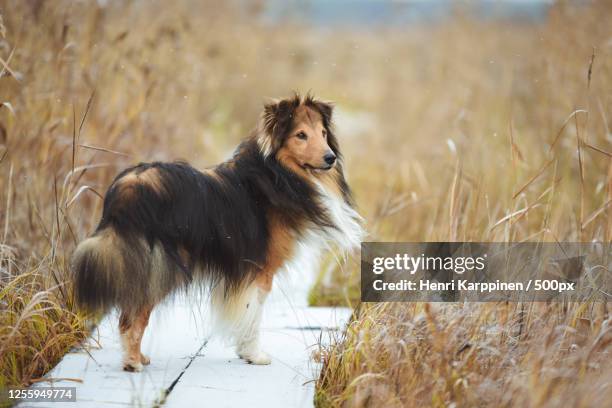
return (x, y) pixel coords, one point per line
(329, 158)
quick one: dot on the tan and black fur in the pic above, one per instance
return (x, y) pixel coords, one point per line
(233, 227)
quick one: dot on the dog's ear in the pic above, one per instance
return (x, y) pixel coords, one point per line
(276, 122)
(326, 110)
(268, 117)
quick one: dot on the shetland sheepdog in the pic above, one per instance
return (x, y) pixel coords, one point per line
(231, 227)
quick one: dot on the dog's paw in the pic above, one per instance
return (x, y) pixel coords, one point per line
(257, 358)
(132, 367)
(144, 359)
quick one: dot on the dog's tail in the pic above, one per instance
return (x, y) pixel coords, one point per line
(111, 270)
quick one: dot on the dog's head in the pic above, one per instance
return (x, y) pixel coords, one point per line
(298, 133)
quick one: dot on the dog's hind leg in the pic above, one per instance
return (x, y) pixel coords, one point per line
(132, 327)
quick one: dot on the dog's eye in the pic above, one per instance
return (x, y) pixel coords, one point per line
(302, 136)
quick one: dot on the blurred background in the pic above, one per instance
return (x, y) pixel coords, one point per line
(466, 121)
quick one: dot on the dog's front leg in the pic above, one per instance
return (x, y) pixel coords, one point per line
(249, 347)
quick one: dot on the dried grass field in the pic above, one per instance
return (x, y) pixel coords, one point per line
(464, 130)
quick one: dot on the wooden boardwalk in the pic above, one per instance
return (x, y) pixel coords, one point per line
(189, 368)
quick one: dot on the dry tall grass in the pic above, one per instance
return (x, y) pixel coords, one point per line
(463, 131)
(414, 355)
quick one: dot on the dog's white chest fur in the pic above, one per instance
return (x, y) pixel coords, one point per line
(346, 235)
(348, 232)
